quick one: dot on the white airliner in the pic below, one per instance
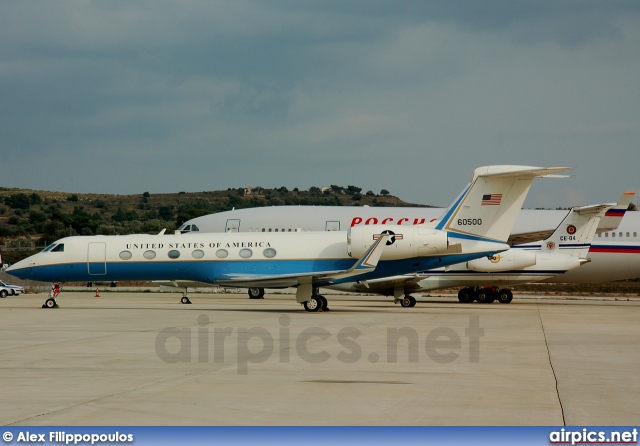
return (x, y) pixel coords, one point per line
(477, 224)
(614, 253)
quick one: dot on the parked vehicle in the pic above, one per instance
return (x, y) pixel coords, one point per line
(6, 289)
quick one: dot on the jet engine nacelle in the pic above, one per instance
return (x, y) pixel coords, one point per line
(513, 259)
(404, 241)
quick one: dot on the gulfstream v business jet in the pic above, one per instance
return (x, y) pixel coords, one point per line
(477, 224)
(614, 253)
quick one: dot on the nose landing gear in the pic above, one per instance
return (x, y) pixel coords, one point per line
(53, 293)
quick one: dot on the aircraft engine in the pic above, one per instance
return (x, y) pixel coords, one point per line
(404, 242)
(514, 259)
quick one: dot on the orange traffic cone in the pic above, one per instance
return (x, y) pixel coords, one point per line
(97, 292)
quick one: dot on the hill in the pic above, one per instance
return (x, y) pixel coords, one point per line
(30, 219)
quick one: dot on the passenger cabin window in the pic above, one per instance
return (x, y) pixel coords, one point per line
(222, 253)
(198, 254)
(149, 255)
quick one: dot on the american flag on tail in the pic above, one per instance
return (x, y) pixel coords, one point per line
(491, 200)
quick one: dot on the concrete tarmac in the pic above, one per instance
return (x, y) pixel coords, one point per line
(144, 359)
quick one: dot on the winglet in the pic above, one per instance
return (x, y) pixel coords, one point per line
(370, 259)
(368, 262)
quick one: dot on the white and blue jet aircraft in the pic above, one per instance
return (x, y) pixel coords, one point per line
(614, 253)
(477, 224)
(486, 279)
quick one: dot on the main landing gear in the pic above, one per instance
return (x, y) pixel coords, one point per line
(408, 301)
(185, 299)
(53, 293)
(316, 303)
(485, 295)
(256, 293)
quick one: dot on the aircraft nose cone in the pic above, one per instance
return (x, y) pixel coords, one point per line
(19, 271)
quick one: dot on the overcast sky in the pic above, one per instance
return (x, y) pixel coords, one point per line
(410, 96)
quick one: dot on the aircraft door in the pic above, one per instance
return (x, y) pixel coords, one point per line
(97, 258)
(233, 225)
(332, 226)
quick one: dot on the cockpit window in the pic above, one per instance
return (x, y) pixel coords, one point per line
(59, 248)
(49, 248)
(188, 228)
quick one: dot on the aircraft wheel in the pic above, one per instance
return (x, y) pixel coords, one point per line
(485, 297)
(313, 304)
(3, 293)
(256, 293)
(50, 303)
(323, 302)
(406, 302)
(185, 300)
(505, 296)
(413, 301)
(465, 295)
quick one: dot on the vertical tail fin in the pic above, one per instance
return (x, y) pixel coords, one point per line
(613, 217)
(490, 204)
(575, 233)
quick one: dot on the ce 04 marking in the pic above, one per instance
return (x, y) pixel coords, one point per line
(469, 221)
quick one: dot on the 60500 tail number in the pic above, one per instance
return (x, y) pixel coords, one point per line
(469, 221)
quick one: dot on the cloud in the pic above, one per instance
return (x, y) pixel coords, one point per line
(408, 96)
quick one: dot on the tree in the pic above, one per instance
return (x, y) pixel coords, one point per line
(18, 201)
(35, 198)
(166, 212)
(384, 192)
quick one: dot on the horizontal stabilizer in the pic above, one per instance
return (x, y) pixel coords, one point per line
(593, 209)
(520, 172)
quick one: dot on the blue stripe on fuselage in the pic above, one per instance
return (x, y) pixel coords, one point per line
(209, 271)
